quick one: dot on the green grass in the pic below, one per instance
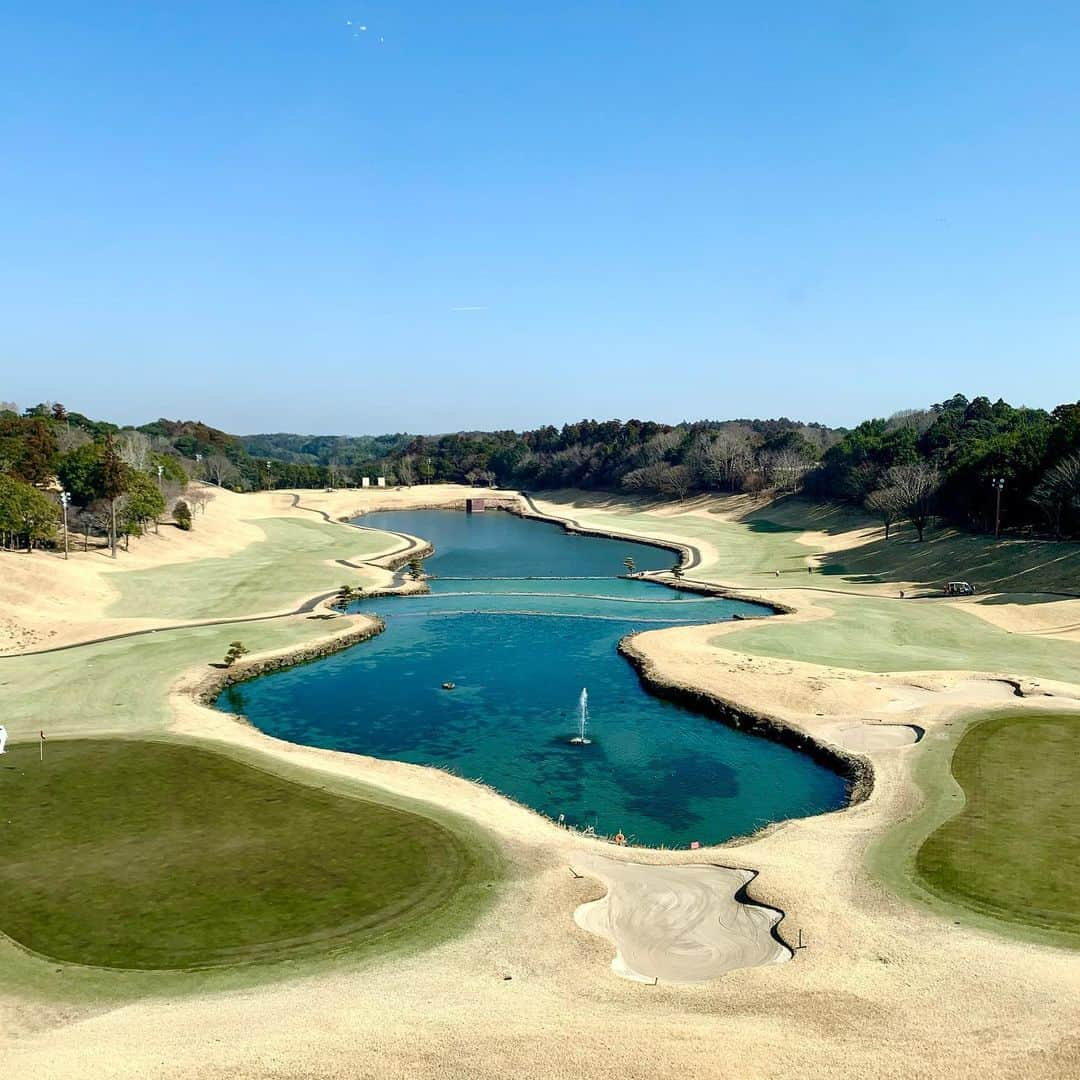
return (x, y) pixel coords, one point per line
(143, 855)
(750, 550)
(747, 553)
(878, 634)
(1005, 565)
(866, 632)
(294, 562)
(122, 686)
(1013, 850)
(1016, 813)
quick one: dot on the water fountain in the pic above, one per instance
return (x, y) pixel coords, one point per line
(583, 719)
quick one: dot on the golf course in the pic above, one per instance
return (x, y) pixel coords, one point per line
(157, 849)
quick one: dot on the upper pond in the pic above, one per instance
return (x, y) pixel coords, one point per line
(521, 617)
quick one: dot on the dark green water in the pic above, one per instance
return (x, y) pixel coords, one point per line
(521, 617)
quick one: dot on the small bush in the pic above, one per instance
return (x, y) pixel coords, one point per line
(236, 650)
(182, 515)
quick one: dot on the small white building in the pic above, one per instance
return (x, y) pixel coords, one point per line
(365, 481)
(380, 481)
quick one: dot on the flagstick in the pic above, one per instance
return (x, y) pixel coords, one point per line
(41, 745)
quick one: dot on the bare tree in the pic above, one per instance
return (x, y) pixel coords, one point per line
(333, 473)
(887, 504)
(198, 496)
(916, 488)
(97, 518)
(659, 446)
(219, 469)
(84, 521)
(406, 473)
(916, 419)
(660, 478)
(786, 468)
(134, 449)
(734, 445)
(706, 462)
(480, 478)
(69, 438)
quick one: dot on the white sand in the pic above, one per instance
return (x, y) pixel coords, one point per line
(871, 736)
(678, 924)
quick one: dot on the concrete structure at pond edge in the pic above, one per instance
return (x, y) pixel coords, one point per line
(475, 506)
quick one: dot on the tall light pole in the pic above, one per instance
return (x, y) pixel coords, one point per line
(161, 489)
(998, 482)
(65, 498)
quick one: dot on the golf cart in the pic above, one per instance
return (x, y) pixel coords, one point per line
(959, 588)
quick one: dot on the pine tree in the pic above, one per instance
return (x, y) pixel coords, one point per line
(113, 482)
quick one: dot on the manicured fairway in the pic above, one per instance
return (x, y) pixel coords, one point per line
(872, 633)
(147, 855)
(294, 562)
(1014, 849)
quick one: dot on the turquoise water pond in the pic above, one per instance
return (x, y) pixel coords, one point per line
(521, 617)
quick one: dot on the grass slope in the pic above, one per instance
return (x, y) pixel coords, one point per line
(295, 561)
(1013, 850)
(149, 855)
(865, 632)
(752, 547)
(122, 686)
(878, 634)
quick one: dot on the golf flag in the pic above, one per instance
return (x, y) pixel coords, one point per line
(41, 745)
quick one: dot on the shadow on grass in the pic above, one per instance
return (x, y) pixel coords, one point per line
(1032, 571)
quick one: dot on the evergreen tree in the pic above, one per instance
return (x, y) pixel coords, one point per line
(112, 482)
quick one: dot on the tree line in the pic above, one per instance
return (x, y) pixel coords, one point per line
(970, 462)
(63, 471)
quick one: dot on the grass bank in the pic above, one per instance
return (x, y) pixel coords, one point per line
(147, 855)
(870, 633)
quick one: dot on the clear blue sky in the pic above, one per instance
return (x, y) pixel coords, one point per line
(244, 213)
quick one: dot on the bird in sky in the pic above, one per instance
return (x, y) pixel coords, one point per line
(361, 28)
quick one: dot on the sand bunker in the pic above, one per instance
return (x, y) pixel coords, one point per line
(877, 736)
(678, 924)
(968, 692)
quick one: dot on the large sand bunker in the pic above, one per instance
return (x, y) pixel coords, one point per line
(678, 924)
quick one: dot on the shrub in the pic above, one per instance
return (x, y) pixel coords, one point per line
(236, 650)
(182, 515)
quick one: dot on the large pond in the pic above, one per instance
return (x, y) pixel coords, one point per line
(521, 618)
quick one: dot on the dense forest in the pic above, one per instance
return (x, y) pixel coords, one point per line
(978, 464)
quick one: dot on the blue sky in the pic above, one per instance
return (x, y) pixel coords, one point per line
(507, 214)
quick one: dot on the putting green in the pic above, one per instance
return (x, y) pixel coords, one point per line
(1012, 851)
(143, 855)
